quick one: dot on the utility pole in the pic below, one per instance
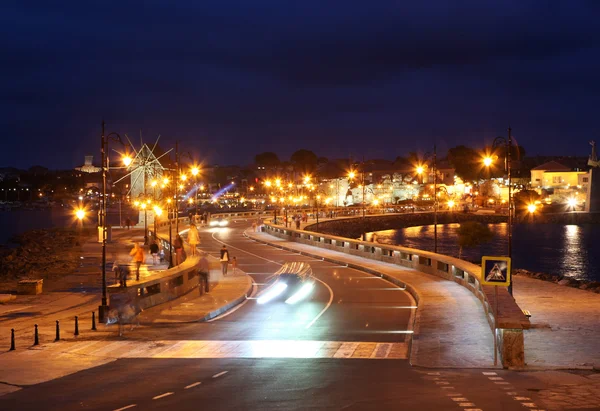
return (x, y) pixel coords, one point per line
(510, 204)
(435, 199)
(103, 309)
(176, 182)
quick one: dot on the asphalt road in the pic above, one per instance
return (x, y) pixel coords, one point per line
(346, 305)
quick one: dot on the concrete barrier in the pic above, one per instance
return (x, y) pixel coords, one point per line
(510, 321)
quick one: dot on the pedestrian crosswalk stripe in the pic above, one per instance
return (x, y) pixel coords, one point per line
(238, 349)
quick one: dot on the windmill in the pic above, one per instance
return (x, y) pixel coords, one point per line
(144, 170)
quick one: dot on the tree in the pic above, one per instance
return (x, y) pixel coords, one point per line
(466, 161)
(267, 159)
(304, 160)
(472, 234)
(523, 198)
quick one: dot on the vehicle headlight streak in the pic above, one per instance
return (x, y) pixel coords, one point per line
(272, 293)
(300, 294)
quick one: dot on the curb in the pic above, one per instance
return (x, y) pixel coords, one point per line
(228, 306)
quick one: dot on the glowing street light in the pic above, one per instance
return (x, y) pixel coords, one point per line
(80, 214)
(531, 208)
(127, 161)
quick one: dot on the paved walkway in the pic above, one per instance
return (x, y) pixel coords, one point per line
(74, 294)
(451, 329)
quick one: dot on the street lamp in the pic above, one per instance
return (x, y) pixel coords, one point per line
(80, 214)
(103, 308)
(507, 166)
(420, 169)
(195, 172)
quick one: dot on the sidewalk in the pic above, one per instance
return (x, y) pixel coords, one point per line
(450, 325)
(194, 307)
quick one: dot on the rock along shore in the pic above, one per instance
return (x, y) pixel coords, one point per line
(39, 254)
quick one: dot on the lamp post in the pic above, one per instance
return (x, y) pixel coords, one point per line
(195, 172)
(420, 169)
(507, 166)
(80, 214)
(103, 308)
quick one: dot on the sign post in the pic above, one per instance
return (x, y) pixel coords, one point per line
(495, 271)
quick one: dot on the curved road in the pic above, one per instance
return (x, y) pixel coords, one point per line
(346, 306)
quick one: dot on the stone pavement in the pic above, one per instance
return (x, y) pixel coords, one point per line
(565, 324)
(450, 326)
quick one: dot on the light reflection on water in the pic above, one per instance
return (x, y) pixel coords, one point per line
(572, 250)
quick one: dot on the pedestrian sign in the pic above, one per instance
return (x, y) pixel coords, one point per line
(495, 271)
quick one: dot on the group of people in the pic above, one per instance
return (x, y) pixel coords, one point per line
(297, 219)
(123, 271)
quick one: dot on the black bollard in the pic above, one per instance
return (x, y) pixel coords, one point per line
(36, 339)
(93, 321)
(12, 339)
(57, 331)
(76, 326)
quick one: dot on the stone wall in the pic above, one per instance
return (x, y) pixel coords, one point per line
(354, 227)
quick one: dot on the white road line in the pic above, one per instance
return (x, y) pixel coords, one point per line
(266, 259)
(326, 307)
(127, 407)
(192, 385)
(219, 374)
(166, 394)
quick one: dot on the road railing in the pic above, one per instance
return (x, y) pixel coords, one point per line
(510, 321)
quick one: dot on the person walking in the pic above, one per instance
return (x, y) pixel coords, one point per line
(193, 238)
(224, 260)
(123, 273)
(154, 251)
(234, 265)
(204, 271)
(138, 259)
(128, 223)
(178, 245)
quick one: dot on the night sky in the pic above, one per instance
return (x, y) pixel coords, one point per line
(230, 79)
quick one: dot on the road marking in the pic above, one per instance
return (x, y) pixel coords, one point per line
(260, 349)
(192, 385)
(219, 374)
(127, 407)
(166, 394)
(266, 259)
(326, 307)
(489, 373)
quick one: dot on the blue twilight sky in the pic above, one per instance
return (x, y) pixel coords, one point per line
(230, 79)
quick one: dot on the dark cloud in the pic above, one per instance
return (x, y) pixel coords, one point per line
(230, 79)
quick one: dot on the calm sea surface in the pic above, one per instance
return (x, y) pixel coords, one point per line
(571, 250)
(19, 221)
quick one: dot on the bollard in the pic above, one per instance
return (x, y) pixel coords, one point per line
(12, 339)
(76, 326)
(93, 321)
(36, 339)
(57, 331)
